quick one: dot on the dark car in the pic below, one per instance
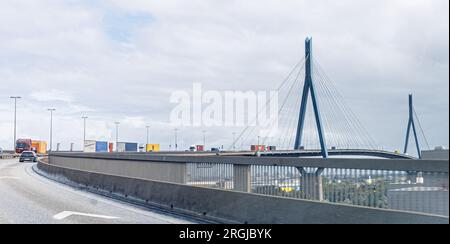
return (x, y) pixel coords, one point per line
(28, 156)
(216, 150)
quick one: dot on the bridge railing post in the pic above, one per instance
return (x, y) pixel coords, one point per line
(242, 178)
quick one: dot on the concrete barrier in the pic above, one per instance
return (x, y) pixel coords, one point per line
(238, 207)
(159, 171)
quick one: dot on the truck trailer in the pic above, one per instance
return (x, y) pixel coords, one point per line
(39, 147)
(153, 148)
(95, 146)
(127, 147)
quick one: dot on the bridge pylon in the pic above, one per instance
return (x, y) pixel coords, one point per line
(412, 125)
(309, 87)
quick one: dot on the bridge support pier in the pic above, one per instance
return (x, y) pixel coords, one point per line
(311, 185)
(242, 180)
(412, 177)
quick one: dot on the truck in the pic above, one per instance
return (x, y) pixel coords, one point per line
(258, 148)
(39, 147)
(23, 145)
(127, 147)
(197, 148)
(95, 146)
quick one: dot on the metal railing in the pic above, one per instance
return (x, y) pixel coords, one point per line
(407, 185)
(7, 156)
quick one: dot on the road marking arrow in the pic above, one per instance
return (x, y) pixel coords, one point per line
(66, 214)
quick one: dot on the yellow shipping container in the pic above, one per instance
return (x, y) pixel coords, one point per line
(39, 146)
(153, 148)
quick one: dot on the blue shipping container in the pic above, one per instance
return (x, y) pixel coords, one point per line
(131, 147)
(101, 146)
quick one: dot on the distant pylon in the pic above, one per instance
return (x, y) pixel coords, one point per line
(412, 124)
(309, 87)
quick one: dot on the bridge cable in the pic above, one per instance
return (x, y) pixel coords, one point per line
(421, 129)
(363, 138)
(300, 64)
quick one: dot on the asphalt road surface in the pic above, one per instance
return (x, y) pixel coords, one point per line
(28, 198)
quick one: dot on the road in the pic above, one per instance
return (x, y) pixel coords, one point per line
(28, 198)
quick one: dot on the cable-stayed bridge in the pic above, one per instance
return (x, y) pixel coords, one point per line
(314, 119)
(318, 174)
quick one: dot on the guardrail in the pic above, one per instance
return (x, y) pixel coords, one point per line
(7, 156)
(408, 185)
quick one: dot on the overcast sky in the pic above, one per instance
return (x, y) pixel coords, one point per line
(120, 60)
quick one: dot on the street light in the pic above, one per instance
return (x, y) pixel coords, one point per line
(176, 139)
(84, 128)
(148, 128)
(204, 138)
(51, 110)
(234, 141)
(15, 120)
(117, 135)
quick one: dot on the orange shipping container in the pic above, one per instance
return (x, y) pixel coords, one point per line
(111, 147)
(40, 147)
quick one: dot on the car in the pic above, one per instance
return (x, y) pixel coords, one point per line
(28, 156)
(215, 150)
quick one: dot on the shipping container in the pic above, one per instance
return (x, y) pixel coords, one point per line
(101, 146)
(40, 147)
(120, 147)
(89, 146)
(153, 148)
(127, 147)
(111, 147)
(131, 147)
(200, 148)
(258, 148)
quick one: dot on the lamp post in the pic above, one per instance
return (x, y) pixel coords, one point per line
(176, 139)
(234, 141)
(204, 138)
(148, 132)
(84, 128)
(51, 110)
(15, 120)
(117, 135)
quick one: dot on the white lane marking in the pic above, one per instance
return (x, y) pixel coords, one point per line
(66, 214)
(9, 178)
(134, 208)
